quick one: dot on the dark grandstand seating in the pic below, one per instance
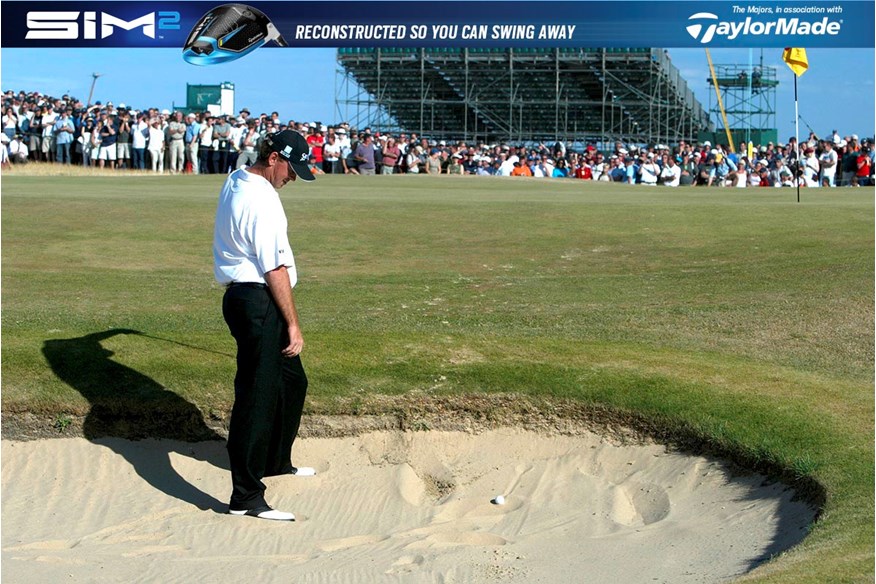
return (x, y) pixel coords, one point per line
(529, 94)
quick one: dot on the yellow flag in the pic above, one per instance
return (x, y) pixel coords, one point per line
(796, 60)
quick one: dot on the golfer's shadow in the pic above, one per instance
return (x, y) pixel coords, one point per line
(127, 404)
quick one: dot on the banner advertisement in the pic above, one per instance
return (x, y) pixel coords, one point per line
(476, 24)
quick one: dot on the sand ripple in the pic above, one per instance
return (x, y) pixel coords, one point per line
(390, 507)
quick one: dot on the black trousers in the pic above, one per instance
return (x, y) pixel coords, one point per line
(220, 161)
(205, 159)
(269, 392)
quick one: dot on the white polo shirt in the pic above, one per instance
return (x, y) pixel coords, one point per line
(250, 238)
(671, 175)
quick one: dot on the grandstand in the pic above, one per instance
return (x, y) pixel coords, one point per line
(526, 95)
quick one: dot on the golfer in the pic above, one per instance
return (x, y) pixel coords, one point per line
(253, 259)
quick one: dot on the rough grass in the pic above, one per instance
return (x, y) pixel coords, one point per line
(735, 322)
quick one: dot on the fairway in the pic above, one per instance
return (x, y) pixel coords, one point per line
(732, 321)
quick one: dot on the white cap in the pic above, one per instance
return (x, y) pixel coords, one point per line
(165, 112)
(707, 143)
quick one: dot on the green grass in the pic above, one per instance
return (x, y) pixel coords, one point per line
(740, 321)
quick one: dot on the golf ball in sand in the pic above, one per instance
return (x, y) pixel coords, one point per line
(499, 500)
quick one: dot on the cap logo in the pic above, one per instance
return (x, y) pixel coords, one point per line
(287, 151)
(303, 157)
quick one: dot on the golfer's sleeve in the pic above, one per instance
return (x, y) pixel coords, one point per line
(271, 243)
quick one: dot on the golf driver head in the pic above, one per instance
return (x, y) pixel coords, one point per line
(229, 32)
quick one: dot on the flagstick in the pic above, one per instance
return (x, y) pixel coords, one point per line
(797, 136)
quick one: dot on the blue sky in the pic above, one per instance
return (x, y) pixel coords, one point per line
(836, 93)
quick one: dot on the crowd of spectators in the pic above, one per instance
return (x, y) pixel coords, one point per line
(63, 130)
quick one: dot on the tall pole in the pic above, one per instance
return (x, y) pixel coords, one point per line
(797, 136)
(798, 63)
(91, 93)
(720, 102)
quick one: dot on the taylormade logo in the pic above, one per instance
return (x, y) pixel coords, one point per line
(707, 25)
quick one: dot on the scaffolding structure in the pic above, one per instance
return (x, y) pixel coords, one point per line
(523, 95)
(748, 93)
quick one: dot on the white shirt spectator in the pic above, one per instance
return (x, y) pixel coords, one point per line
(543, 169)
(753, 179)
(413, 161)
(671, 175)
(16, 147)
(236, 137)
(507, 166)
(48, 124)
(343, 141)
(811, 169)
(138, 135)
(828, 170)
(156, 139)
(331, 152)
(649, 172)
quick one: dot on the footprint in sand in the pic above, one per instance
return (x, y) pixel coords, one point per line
(638, 503)
(406, 564)
(453, 537)
(334, 545)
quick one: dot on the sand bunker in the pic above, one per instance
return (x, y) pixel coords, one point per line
(390, 507)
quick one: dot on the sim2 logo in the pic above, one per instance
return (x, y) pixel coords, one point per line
(706, 26)
(74, 25)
